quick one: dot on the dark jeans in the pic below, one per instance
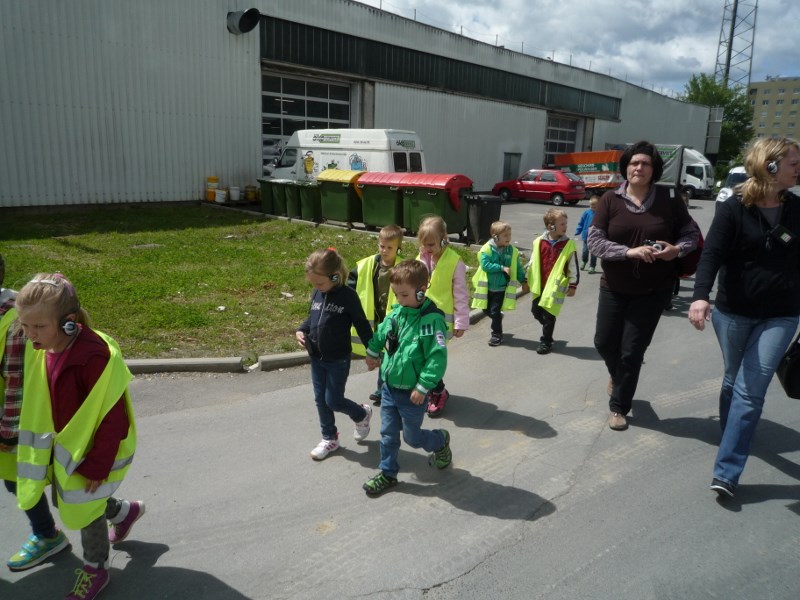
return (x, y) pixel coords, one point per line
(329, 377)
(547, 320)
(625, 326)
(41, 518)
(494, 312)
(585, 255)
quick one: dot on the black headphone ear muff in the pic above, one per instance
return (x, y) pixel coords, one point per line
(495, 237)
(443, 242)
(772, 167)
(420, 295)
(551, 227)
(68, 326)
(334, 278)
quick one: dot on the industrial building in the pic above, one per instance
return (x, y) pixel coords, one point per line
(108, 102)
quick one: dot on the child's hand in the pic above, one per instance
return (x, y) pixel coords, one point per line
(92, 485)
(458, 333)
(506, 270)
(301, 338)
(372, 363)
(417, 397)
(571, 292)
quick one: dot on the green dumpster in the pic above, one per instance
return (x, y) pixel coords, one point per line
(339, 198)
(382, 199)
(292, 199)
(279, 196)
(267, 205)
(426, 194)
(310, 201)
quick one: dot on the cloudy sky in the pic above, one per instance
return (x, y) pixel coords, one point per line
(655, 44)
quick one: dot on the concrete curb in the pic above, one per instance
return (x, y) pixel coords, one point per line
(235, 364)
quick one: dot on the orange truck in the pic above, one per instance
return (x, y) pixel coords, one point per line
(599, 169)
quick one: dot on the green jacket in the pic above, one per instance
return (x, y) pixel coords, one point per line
(420, 359)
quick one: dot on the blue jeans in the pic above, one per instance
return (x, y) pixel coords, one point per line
(398, 414)
(329, 378)
(751, 351)
(585, 254)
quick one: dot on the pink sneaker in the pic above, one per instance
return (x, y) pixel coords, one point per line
(437, 402)
(119, 531)
(90, 583)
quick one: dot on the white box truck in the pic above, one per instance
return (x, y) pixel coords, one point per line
(687, 170)
(310, 151)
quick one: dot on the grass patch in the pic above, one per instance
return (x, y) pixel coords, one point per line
(183, 280)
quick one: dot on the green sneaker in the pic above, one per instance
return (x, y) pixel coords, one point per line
(37, 549)
(442, 458)
(379, 484)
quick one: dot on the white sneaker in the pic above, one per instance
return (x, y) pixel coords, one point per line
(324, 448)
(362, 427)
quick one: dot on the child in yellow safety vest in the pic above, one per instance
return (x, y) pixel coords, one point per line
(45, 540)
(499, 277)
(448, 290)
(550, 276)
(370, 280)
(77, 430)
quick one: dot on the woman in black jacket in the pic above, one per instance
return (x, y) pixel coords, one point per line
(754, 246)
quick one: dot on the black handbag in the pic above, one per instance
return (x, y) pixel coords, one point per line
(789, 370)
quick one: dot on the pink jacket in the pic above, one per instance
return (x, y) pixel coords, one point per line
(460, 290)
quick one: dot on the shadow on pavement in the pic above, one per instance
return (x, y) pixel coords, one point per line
(140, 578)
(772, 440)
(469, 492)
(471, 413)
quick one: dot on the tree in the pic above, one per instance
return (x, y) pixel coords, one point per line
(737, 120)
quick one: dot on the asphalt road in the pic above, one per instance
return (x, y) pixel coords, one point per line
(543, 500)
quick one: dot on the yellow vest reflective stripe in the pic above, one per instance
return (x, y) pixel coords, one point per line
(365, 288)
(480, 280)
(441, 287)
(8, 460)
(38, 441)
(555, 290)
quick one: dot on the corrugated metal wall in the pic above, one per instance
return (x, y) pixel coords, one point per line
(464, 135)
(115, 101)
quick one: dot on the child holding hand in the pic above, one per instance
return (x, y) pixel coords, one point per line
(411, 349)
(583, 230)
(498, 278)
(77, 400)
(325, 335)
(549, 275)
(447, 289)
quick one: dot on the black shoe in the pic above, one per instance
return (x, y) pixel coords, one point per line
(544, 348)
(495, 340)
(375, 397)
(723, 488)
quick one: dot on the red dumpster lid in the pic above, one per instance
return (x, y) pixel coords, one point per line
(451, 182)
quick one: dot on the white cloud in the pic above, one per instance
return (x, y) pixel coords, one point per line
(658, 45)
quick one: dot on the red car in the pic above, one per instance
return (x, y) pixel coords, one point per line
(556, 187)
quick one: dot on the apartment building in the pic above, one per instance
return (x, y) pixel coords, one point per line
(776, 103)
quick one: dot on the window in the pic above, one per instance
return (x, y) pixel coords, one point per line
(400, 162)
(548, 176)
(763, 113)
(289, 104)
(792, 113)
(560, 137)
(753, 91)
(752, 102)
(795, 100)
(776, 125)
(416, 162)
(529, 176)
(761, 123)
(781, 90)
(289, 158)
(777, 114)
(790, 125)
(779, 101)
(765, 102)
(695, 171)
(796, 91)
(767, 91)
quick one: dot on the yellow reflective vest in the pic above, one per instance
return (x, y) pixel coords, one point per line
(8, 460)
(46, 456)
(555, 290)
(440, 289)
(365, 288)
(481, 282)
